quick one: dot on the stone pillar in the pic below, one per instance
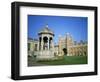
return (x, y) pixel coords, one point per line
(52, 48)
(41, 43)
(48, 43)
(38, 45)
(52, 45)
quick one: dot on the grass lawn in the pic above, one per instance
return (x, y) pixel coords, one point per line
(67, 60)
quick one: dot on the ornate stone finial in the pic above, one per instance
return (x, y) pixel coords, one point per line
(46, 26)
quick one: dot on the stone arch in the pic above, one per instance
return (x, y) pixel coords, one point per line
(45, 41)
(51, 38)
(65, 51)
(85, 53)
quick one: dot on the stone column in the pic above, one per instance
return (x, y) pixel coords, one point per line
(38, 45)
(48, 43)
(41, 43)
(52, 45)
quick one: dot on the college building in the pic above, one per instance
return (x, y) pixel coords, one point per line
(44, 48)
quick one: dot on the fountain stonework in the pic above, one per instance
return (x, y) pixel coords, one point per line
(45, 44)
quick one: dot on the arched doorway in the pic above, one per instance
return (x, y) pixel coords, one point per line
(45, 46)
(65, 51)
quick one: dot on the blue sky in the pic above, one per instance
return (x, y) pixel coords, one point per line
(61, 25)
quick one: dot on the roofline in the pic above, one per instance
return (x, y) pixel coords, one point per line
(46, 33)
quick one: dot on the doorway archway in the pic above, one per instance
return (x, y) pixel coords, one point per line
(65, 51)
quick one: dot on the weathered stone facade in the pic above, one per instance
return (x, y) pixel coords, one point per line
(72, 48)
(44, 48)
